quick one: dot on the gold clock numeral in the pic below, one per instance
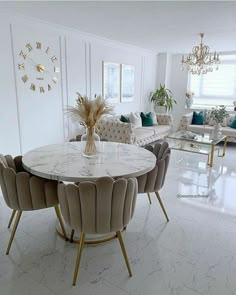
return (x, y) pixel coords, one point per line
(32, 86)
(49, 87)
(54, 58)
(54, 79)
(41, 89)
(56, 69)
(23, 54)
(29, 46)
(21, 66)
(47, 50)
(25, 78)
(38, 45)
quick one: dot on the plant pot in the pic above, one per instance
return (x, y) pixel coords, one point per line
(160, 109)
(189, 102)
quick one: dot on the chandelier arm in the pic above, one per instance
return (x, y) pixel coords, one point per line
(200, 60)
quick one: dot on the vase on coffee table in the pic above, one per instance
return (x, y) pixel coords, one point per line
(216, 133)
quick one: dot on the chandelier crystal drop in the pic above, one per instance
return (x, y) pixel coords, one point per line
(201, 60)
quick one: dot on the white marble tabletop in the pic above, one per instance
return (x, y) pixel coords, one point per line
(66, 162)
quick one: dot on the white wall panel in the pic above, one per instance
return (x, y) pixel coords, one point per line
(30, 119)
(9, 128)
(40, 114)
(76, 73)
(103, 52)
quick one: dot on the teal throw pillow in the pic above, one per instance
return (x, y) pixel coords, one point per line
(233, 124)
(147, 119)
(198, 118)
(124, 119)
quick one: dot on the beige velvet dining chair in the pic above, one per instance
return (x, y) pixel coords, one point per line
(23, 191)
(100, 207)
(154, 180)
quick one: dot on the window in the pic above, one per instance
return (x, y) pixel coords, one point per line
(217, 87)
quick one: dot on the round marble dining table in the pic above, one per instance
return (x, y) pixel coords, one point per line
(65, 162)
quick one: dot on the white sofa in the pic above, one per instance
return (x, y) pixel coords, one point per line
(186, 124)
(117, 131)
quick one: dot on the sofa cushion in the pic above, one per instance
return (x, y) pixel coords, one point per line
(142, 132)
(200, 128)
(152, 132)
(124, 119)
(198, 118)
(147, 119)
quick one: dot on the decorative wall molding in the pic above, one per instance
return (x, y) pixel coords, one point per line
(81, 58)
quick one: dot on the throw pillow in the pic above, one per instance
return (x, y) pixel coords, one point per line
(135, 119)
(198, 118)
(124, 119)
(147, 119)
(154, 117)
(233, 124)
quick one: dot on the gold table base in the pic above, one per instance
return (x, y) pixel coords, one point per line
(104, 238)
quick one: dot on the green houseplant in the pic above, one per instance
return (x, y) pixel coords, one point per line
(162, 97)
(218, 115)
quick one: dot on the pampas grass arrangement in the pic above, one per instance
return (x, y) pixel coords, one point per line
(88, 113)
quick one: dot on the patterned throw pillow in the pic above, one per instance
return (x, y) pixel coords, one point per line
(198, 118)
(147, 119)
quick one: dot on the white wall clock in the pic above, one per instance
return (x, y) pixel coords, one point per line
(39, 67)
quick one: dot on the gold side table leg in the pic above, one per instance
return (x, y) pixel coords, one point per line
(224, 148)
(211, 156)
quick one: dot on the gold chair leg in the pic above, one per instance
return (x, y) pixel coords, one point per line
(18, 216)
(58, 213)
(119, 235)
(72, 235)
(80, 249)
(149, 197)
(162, 206)
(11, 218)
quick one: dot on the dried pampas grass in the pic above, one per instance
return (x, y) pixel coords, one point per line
(89, 112)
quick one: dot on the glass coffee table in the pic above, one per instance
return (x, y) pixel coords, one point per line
(197, 143)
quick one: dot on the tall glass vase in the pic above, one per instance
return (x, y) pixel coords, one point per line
(90, 142)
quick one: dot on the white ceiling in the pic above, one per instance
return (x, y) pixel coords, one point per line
(158, 26)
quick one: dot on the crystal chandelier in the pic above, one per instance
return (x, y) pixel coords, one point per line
(201, 60)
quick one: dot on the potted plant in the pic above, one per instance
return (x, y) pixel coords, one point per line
(162, 99)
(218, 115)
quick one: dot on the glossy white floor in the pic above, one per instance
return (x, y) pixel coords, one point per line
(192, 254)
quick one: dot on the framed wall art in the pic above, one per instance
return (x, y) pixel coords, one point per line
(127, 83)
(111, 81)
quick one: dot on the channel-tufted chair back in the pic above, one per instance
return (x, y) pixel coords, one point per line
(154, 180)
(23, 191)
(98, 207)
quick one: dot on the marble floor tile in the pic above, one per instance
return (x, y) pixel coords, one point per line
(192, 254)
